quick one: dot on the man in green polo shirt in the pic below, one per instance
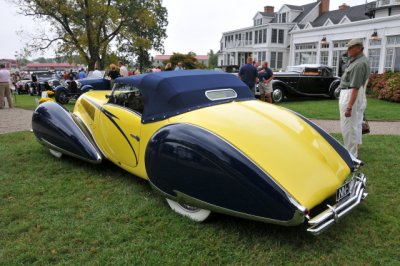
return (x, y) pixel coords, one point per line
(352, 101)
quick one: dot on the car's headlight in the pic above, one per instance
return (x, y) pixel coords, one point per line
(51, 82)
(78, 84)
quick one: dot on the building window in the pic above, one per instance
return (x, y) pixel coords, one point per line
(277, 36)
(340, 44)
(261, 57)
(256, 37)
(375, 42)
(281, 36)
(392, 57)
(260, 36)
(276, 61)
(305, 46)
(264, 35)
(324, 45)
(274, 36)
(283, 18)
(305, 53)
(373, 58)
(323, 59)
(258, 22)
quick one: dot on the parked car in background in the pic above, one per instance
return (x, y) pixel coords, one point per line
(191, 135)
(309, 80)
(72, 89)
(46, 80)
(23, 86)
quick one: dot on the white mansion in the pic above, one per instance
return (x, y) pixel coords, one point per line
(312, 34)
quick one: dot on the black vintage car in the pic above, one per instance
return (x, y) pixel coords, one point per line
(305, 80)
(72, 89)
(43, 81)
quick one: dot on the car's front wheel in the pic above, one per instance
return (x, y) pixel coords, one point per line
(194, 213)
(278, 95)
(61, 96)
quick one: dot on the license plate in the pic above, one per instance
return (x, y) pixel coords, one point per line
(343, 191)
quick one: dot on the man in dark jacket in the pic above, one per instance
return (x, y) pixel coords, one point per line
(248, 74)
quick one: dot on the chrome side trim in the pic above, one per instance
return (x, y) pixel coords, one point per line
(298, 216)
(334, 213)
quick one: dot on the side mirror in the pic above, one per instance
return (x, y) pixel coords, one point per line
(108, 96)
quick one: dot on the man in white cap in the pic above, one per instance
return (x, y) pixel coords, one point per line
(352, 101)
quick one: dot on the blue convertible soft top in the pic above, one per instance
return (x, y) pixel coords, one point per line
(171, 93)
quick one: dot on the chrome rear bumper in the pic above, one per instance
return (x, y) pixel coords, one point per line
(334, 213)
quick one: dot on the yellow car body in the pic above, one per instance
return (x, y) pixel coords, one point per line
(278, 156)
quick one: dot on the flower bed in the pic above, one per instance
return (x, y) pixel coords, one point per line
(385, 86)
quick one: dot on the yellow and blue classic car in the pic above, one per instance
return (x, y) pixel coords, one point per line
(206, 144)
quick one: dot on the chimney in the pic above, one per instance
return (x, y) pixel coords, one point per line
(269, 9)
(323, 6)
(344, 6)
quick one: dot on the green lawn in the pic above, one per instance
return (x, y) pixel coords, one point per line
(72, 213)
(311, 108)
(329, 109)
(28, 102)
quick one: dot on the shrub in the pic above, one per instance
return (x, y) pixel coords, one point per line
(385, 86)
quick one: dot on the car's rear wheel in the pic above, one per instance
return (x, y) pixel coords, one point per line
(61, 97)
(194, 213)
(56, 154)
(336, 93)
(278, 95)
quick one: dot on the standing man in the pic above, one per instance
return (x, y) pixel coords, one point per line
(248, 74)
(265, 77)
(81, 74)
(179, 67)
(5, 89)
(352, 100)
(123, 71)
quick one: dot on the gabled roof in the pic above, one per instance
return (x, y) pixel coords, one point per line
(306, 9)
(354, 13)
(292, 7)
(264, 14)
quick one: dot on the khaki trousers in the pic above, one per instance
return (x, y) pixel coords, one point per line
(5, 91)
(351, 126)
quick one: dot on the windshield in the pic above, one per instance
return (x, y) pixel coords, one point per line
(96, 74)
(295, 69)
(45, 75)
(124, 88)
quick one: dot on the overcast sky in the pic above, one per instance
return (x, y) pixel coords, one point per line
(194, 25)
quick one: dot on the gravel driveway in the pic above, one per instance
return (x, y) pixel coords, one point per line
(17, 119)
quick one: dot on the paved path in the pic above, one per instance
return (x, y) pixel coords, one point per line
(17, 119)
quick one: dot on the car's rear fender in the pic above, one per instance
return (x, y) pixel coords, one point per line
(194, 166)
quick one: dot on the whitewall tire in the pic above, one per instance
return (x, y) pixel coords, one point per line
(55, 153)
(194, 213)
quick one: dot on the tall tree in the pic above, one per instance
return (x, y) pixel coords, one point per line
(212, 59)
(93, 28)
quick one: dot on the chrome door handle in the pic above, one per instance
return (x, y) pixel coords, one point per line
(135, 137)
